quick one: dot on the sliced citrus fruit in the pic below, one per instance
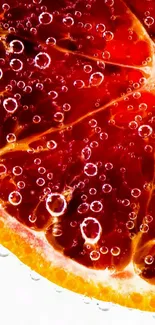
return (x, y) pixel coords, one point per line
(77, 148)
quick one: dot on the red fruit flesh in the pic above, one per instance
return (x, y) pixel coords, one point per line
(77, 128)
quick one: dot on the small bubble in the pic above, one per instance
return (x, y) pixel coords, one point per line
(92, 191)
(143, 107)
(106, 188)
(17, 170)
(51, 41)
(42, 60)
(135, 192)
(15, 198)
(68, 21)
(108, 166)
(56, 204)
(79, 84)
(96, 79)
(148, 218)
(108, 36)
(94, 255)
(45, 18)
(149, 21)
(35, 276)
(100, 28)
(93, 123)
(96, 206)
(40, 181)
(87, 68)
(83, 208)
(10, 138)
(16, 47)
(58, 117)
(3, 169)
(10, 105)
(104, 250)
(90, 169)
(36, 119)
(66, 107)
(149, 259)
(132, 215)
(21, 185)
(133, 125)
(16, 64)
(91, 230)
(144, 228)
(115, 251)
(86, 153)
(103, 136)
(130, 224)
(51, 144)
(1, 73)
(37, 161)
(145, 131)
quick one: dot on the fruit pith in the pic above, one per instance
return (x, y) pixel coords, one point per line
(77, 146)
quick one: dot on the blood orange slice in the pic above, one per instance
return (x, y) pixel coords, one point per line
(77, 144)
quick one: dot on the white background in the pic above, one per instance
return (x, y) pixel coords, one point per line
(27, 299)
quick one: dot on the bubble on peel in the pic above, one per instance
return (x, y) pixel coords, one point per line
(42, 60)
(51, 144)
(56, 204)
(10, 105)
(149, 21)
(145, 131)
(3, 169)
(10, 138)
(144, 228)
(149, 259)
(90, 169)
(96, 79)
(87, 228)
(15, 198)
(106, 188)
(100, 28)
(83, 208)
(68, 21)
(115, 251)
(87, 68)
(96, 206)
(17, 170)
(108, 36)
(94, 255)
(16, 47)
(135, 192)
(45, 18)
(86, 153)
(16, 65)
(3, 251)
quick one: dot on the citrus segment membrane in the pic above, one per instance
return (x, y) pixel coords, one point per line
(77, 130)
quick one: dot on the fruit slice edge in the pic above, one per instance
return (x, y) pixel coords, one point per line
(126, 289)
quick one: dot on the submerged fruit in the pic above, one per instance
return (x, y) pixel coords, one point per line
(77, 144)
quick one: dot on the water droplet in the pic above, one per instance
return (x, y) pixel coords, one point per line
(145, 131)
(90, 169)
(56, 204)
(10, 105)
(42, 60)
(15, 198)
(45, 18)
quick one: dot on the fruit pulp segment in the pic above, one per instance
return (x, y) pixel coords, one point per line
(77, 129)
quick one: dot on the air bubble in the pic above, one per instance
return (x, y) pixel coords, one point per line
(21, 185)
(79, 84)
(100, 28)
(86, 153)
(149, 259)
(94, 255)
(92, 191)
(93, 123)
(135, 192)
(87, 68)
(45, 18)
(148, 218)
(51, 144)
(132, 215)
(103, 136)
(56, 204)
(144, 228)
(42, 60)
(96, 206)
(145, 131)
(149, 21)
(133, 125)
(115, 251)
(10, 105)
(108, 36)
(15, 198)
(91, 230)
(36, 119)
(90, 169)
(107, 188)
(108, 166)
(1, 73)
(130, 224)
(16, 47)
(96, 79)
(17, 170)
(51, 41)
(10, 138)
(3, 169)
(83, 208)
(66, 107)
(68, 21)
(104, 250)
(40, 181)
(16, 65)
